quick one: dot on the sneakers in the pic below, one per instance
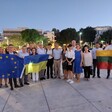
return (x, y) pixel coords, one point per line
(70, 81)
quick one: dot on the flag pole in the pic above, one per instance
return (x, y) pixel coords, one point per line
(22, 72)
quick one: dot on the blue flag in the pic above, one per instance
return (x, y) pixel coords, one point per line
(11, 66)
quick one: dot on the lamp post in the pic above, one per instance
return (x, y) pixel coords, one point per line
(7, 40)
(80, 41)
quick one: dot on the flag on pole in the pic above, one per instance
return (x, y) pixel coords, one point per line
(104, 59)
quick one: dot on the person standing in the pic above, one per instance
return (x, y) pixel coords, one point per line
(97, 47)
(108, 47)
(41, 50)
(57, 60)
(22, 54)
(35, 75)
(6, 85)
(74, 45)
(78, 62)
(70, 58)
(87, 62)
(11, 80)
(49, 51)
(64, 63)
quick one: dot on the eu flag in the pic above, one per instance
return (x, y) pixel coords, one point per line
(35, 63)
(10, 66)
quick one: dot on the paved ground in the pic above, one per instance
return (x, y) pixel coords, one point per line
(59, 96)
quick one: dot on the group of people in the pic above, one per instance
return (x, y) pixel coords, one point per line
(72, 57)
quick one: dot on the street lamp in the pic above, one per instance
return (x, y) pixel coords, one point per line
(80, 41)
(7, 40)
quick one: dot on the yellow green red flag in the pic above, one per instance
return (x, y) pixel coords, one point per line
(104, 59)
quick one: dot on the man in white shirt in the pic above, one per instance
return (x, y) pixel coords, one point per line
(74, 45)
(41, 50)
(97, 47)
(49, 51)
(22, 54)
(57, 60)
(109, 47)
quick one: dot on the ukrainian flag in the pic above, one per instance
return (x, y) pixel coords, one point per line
(35, 63)
(104, 59)
(10, 66)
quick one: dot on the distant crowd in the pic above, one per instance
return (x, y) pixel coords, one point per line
(72, 59)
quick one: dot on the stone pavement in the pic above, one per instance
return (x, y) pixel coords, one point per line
(57, 95)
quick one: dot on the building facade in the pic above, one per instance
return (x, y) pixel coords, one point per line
(16, 31)
(100, 30)
(50, 35)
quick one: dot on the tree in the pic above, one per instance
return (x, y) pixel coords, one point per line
(16, 40)
(43, 39)
(88, 34)
(30, 35)
(66, 36)
(106, 36)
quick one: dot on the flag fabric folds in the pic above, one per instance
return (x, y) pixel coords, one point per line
(10, 66)
(104, 59)
(35, 63)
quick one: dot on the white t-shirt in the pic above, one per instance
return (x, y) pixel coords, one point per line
(109, 47)
(70, 54)
(74, 48)
(87, 59)
(49, 52)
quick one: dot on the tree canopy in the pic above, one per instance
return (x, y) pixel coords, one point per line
(66, 36)
(106, 36)
(88, 34)
(16, 40)
(30, 35)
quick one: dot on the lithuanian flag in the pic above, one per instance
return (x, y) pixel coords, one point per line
(104, 59)
(35, 63)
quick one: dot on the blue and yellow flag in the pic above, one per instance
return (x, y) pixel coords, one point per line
(10, 66)
(35, 63)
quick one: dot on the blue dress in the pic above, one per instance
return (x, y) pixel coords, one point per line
(77, 61)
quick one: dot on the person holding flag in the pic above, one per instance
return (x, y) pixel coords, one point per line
(11, 80)
(41, 50)
(94, 50)
(35, 75)
(108, 47)
(22, 54)
(5, 79)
